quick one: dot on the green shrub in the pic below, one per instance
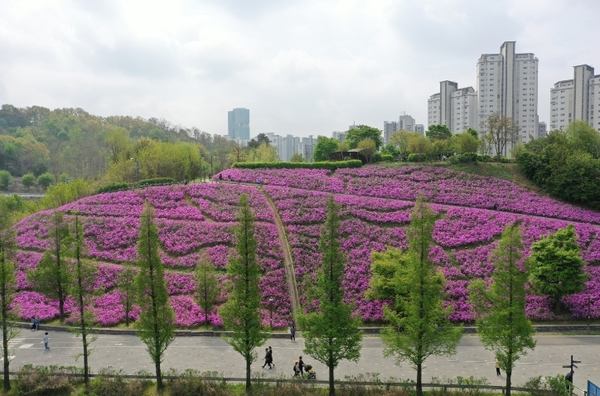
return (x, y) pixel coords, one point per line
(192, 382)
(46, 381)
(112, 187)
(63, 178)
(112, 383)
(486, 158)
(414, 157)
(15, 203)
(28, 180)
(387, 157)
(45, 179)
(504, 160)
(332, 166)
(556, 385)
(376, 158)
(159, 181)
(5, 179)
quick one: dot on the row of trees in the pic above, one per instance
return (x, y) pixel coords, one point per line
(566, 163)
(28, 180)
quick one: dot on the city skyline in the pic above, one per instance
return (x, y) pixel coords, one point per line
(303, 68)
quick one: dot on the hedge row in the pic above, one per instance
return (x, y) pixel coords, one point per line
(295, 165)
(112, 187)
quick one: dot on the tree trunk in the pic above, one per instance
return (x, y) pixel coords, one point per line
(331, 382)
(248, 372)
(159, 382)
(508, 384)
(6, 361)
(419, 379)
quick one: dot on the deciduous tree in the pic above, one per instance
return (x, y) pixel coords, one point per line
(362, 132)
(438, 132)
(501, 133)
(324, 147)
(419, 325)
(156, 323)
(127, 288)
(557, 266)
(500, 308)
(331, 334)
(208, 285)
(241, 313)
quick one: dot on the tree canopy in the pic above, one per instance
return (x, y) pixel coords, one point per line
(438, 132)
(362, 132)
(324, 147)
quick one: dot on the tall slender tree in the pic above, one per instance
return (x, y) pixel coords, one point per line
(208, 285)
(500, 308)
(7, 290)
(156, 323)
(128, 290)
(419, 325)
(331, 334)
(81, 290)
(241, 313)
(52, 275)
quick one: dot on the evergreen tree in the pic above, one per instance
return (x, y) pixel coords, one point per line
(419, 325)
(556, 265)
(81, 289)
(157, 321)
(7, 290)
(241, 313)
(52, 275)
(500, 308)
(208, 286)
(331, 334)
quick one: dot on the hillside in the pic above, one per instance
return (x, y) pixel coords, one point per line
(376, 204)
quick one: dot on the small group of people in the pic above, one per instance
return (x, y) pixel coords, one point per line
(268, 358)
(35, 323)
(300, 369)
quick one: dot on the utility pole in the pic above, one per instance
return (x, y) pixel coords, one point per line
(569, 376)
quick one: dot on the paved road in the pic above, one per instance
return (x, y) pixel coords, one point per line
(213, 354)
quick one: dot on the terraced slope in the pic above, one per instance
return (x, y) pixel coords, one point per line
(376, 205)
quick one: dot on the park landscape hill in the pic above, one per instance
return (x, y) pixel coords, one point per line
(289, 206)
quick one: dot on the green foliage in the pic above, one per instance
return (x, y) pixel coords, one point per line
(241, 313)
(157, 321)
(193, 382)
(388, 270)
(64, 193)
(46, 380)
(387, 158)
(297, 157)
(555, 385)
(465, 143)
(208, 285)
(500, 309)
(438, 132)
(63, 178)
(362, 132)
(464, 158)
(390, 149)
(45, 180)
(414, 157)
(52, 275)
(260, 139)
(331, 334)
(110, 382)
(6, 179)
(419, 325)
(324, 147)
(557, 266)
(159, 181)
(113, 187)
(28, 180)
(295, 165)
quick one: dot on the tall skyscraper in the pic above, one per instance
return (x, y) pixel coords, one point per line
(574, 99)
(238, 124)
(389, 127)
(507, 84)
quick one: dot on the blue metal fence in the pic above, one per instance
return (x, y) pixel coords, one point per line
(593, 390)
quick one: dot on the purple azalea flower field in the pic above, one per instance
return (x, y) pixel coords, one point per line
(375, 207)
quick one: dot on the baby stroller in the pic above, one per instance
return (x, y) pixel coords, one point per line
(310, 373)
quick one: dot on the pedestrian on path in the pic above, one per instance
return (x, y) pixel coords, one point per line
(46, 341)
(292, 332)
(37, 323)
(301, 365)
(498, 373)
(271, 356)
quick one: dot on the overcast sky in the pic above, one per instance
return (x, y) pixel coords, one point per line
(301, 67)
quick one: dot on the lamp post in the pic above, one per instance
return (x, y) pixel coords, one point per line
(271, 311)
(589, 315)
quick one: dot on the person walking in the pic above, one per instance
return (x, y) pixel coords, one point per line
(301, 365)
(46, 341)
(271, 356)
(37, 323)
(292, 332)
(498, 373)
(266, 358)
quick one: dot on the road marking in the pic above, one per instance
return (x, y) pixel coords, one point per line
(9, 358)
(26, 346)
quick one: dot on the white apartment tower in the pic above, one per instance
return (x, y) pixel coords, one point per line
(454, 107)
(389, 127)
(507, 83)
(575, 99)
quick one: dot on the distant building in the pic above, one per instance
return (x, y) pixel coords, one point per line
(574, 99)
(238, 123)
(339, 135)
(389, 127)
(287, 146)
(542, 132)
(406, 123)
(420, 128)
(454, 107)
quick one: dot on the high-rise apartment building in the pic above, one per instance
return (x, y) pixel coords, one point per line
(507, 84)
(454, 107)
(576, 99)
(542, 132)
(406, 123)
(238, 123)
(420, 128)
(286, 146)
(389, 127)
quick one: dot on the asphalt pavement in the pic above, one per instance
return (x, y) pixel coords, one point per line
(128, 353)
